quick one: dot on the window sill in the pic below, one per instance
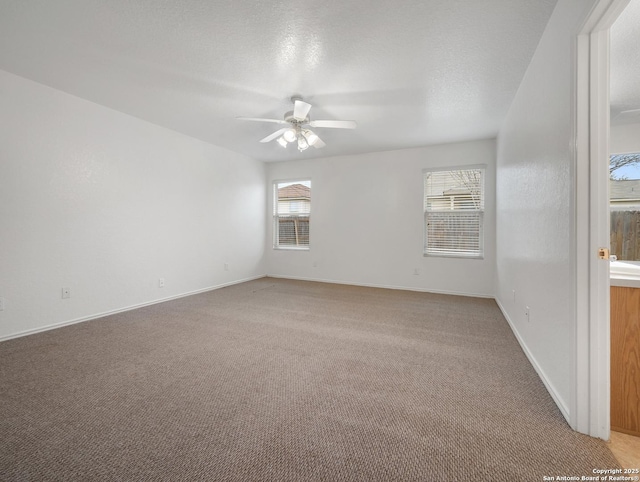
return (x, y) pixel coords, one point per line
(291, 248)
(444, 255)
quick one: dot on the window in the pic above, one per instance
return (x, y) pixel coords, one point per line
(624, 199)
(291, 211)
(454, 212)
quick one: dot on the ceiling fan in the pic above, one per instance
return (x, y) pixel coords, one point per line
(297, 127)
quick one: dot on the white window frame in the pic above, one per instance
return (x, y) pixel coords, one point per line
(453, 253)
(277, 216)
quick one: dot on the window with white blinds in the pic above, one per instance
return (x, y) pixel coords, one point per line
(291, 213)
(454, 212)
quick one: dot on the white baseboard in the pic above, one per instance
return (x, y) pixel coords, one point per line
(121, 310)
(389, 287)
(545, 380)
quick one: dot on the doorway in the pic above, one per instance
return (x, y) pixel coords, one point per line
(624, 204)
(591, 402)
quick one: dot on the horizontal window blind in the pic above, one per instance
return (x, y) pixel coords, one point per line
(291, 214)
(454, 212)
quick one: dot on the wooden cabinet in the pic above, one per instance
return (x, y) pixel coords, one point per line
(625, 360)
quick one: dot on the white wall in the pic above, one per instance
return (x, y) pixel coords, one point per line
(105, 204)
(536, 212)
(367, 221)
(624, 139)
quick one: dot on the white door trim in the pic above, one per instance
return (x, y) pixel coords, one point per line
(590, 412)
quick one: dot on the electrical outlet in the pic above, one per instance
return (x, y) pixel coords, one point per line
(160, 282)
(527, 313)
(514, 295)
(66, 293)
(315, 264)
(226, 266)
(416, 272)
(1, 304)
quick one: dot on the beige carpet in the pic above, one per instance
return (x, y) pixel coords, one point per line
(285, 381)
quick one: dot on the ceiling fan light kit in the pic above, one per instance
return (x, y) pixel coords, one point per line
(289, 135)
(298, 120)
(303, 137)
(312, 138)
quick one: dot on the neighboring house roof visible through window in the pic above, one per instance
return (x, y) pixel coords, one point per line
(294, 191)
(624, 191)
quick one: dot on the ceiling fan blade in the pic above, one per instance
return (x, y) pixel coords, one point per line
(259, 119)
(319, 144)
(336, 124)
(301, 110)
(277, 133)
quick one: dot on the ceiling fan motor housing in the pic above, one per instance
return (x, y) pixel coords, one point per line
(292, 120)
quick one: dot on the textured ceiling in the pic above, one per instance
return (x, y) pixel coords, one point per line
(411, 73)
(625, 66)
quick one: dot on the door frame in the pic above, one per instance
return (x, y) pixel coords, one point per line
(590, 404)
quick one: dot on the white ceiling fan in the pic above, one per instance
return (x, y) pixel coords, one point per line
(297, 126)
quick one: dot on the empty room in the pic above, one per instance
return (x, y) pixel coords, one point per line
(300, 241)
